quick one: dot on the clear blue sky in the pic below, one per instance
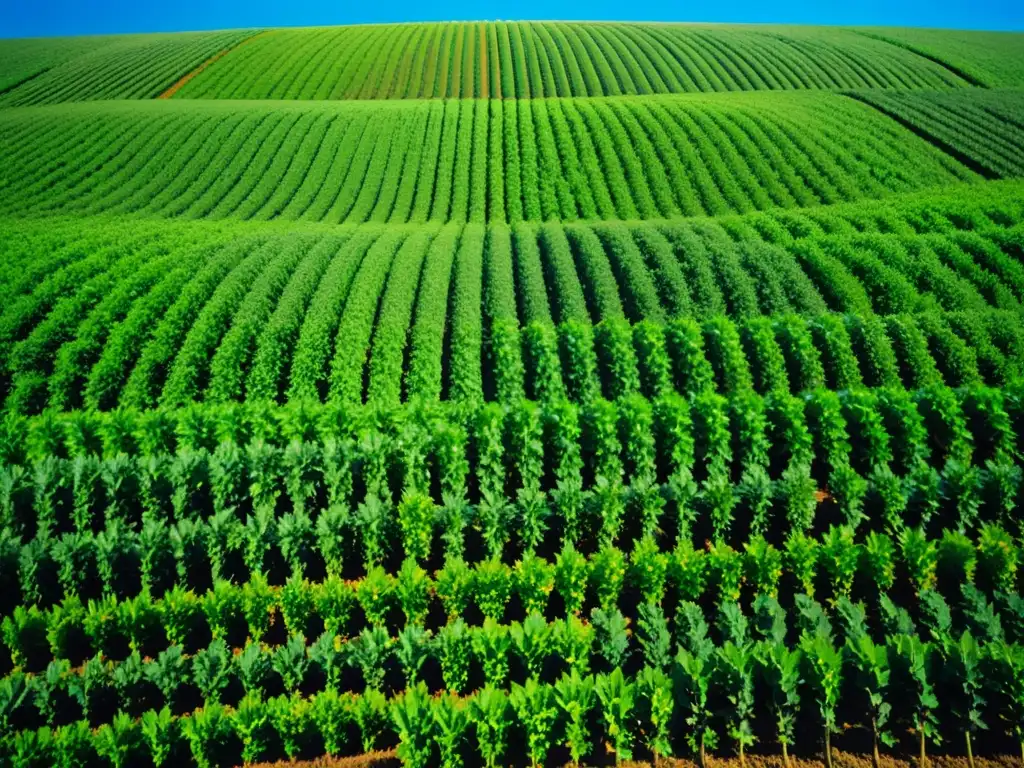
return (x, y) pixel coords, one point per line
(32, 18)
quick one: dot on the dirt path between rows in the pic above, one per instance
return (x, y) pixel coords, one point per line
(181, 82)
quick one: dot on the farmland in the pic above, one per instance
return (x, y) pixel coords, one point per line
(511, 393)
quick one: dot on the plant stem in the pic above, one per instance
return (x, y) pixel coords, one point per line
(920, 730)
(701, 752)
(874, 745)
(743, 762)
(970, 754)
(828, 748)
(785, 755)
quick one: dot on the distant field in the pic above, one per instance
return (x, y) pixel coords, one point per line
(468, 160)
(503, 60)
(127, 67)
(531, 60)
(512, 393)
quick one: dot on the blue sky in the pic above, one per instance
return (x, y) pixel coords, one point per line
(30, 18)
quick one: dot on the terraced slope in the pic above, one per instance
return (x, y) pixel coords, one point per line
(621, 158)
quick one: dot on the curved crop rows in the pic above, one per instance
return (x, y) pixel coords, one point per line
(461, 160)
(505, 393)
(544, 59)
(181, 313)
(125, 67)
(986, 129)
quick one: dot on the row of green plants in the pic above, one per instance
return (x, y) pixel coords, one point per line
(762, 354)
(641, 159)
(752, 688)
(946, 454)
(980, 127)
(259, 318)
(523, 60)
(73, 613)
(111, 67)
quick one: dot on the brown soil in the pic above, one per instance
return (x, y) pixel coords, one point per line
(839, 759)
(385, 759)
(484, 74)
(178, 85)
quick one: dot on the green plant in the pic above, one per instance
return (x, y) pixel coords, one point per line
(209, 731)
(491, 644)
(692, 675)
(1005, 674)
(492, 585)
(575, 697)
(824, 666)
(332, 711)
(412, 649)
(251, 720)
(655, 704)
(488, 710)
(454, 650)
(779, 669)
(454, 584)
(451, 722)
(912, 673)
(617, 703)
(292, 717)
(253, 667)
(167, 672)
(370, 711)
(571, 578)
(369, 651)
(375, 594)
(534, 580)
(871, 675)
(611, 631)
(534, 705)
(963, 669)
(211, 670)
(734, 668)
(412, 588)
(290, 662)
(532, 640)
(607, 575)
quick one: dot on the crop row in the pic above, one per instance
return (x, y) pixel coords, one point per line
(461, 160)
(116, 67)
(971, 646)
(533, 474)
(169, 315)
(706, 696)
(530, 60)
(985, 128)
(143, 603)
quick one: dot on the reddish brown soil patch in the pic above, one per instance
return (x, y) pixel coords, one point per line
(383, 759)
(484, 74)
(840, 760)
(178, 85)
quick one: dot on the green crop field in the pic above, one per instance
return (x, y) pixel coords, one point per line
(512, 393)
